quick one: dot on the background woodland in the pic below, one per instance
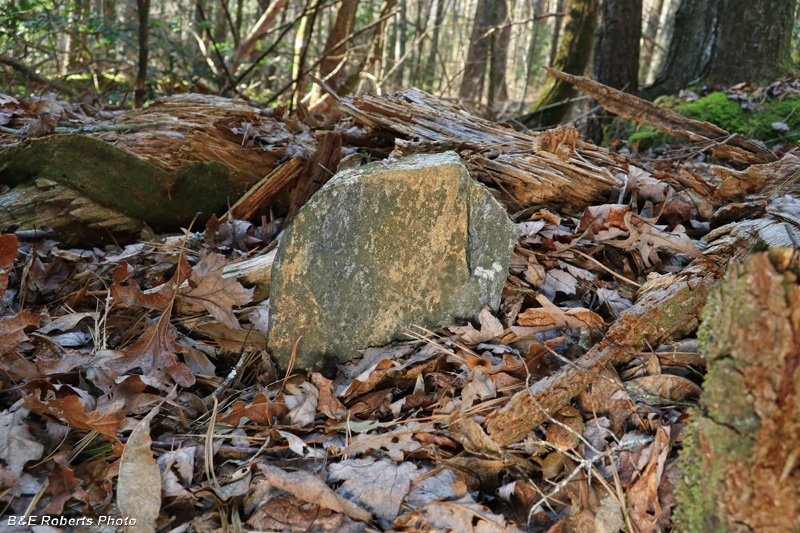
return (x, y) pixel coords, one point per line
(483, 54)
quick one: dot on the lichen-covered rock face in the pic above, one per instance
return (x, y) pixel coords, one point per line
(381, 248)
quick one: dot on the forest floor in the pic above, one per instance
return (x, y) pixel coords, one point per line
(125, 367)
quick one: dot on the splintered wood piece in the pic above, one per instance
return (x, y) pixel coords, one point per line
(263, 192)
(731, 147)
(525, 168)
(317, 171)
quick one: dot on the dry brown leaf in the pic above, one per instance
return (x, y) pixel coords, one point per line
(157, 298)
(550, 317)
(565, 432)
(312, 489)
(209, 289)
(380, 486)
(72, 406)
(139, 484)
(17, 445)
(471, 435)
(63, 485)
(670, 387)
(328, 404)
(491, 328)
(260, 411)
(644, 506)
(464, 514)
(647, 237)
(303, 405)
(559, 281)
(155, 353)
(12, 330)
(275, 513)
(616, 303)
(8, 254)
(396, 444)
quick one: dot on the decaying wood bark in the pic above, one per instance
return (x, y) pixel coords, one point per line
(740, 455)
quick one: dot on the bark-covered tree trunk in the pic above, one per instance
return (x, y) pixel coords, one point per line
(76, 40)
(753, 41)
(430, 65)
(471, 88)
(616, 52)
(652, 19)
(538, 32)
(301, 42)
(342, 26)
(144, 32)
(554, 38)
(724, 42)
(616, 45)
(332, 65)
(423, 16)
(400, 45)
(741, 449)
(498, 55)
(573, 56)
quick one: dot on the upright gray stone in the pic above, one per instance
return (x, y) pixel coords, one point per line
(381, 248)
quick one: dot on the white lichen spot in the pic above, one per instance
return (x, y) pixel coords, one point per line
(484, 273)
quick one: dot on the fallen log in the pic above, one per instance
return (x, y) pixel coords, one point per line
(728, 147)
(195, 153)
(525, 169)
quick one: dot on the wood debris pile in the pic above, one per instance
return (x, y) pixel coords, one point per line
(564, 410)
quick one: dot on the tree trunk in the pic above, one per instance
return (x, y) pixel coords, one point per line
(573, 56)
(430, 65)
(556, 34)
(400, 45)
(650, 34)
(753, 41)
(109, 11)
(342, 26)
(76, 40)
(423, 16)
(475, 68)
(616, 52)
(221, 22)
(248, 44)
(724, 42)
(239, 13)
(538, 32)
(144, 33)
(330, 69)
(301, 42)
(498, 56)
